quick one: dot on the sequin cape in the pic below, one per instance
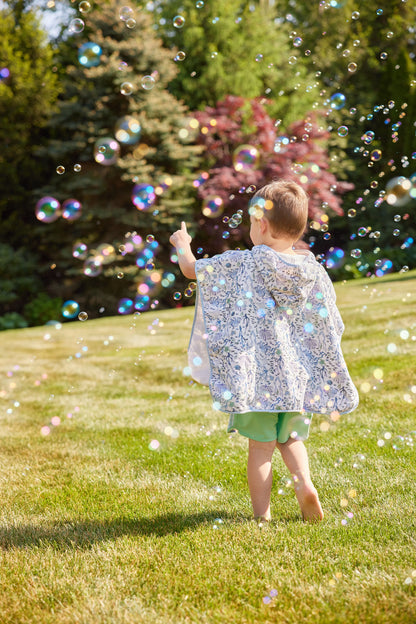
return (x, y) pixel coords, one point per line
(267, 334)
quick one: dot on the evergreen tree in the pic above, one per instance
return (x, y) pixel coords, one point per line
(236, 48)
(116, 88)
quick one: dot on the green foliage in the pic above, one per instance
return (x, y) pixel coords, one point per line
(12, 320)
(17, 279)
(43, 309)
(237, 48)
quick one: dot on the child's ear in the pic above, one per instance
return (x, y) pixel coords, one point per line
(264, 225)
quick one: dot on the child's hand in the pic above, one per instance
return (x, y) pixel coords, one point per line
(181, 238)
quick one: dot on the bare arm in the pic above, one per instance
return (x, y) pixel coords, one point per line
(182, 241)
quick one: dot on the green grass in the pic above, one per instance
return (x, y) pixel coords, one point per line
(98, 528)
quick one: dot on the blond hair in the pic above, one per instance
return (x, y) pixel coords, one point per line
(284, 204)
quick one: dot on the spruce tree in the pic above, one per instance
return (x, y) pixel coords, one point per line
(115, 87)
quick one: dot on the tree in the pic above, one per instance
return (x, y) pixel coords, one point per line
(244, 151)
(118, 136)
(236, 48)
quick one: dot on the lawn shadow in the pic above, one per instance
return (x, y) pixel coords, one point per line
(83, 534)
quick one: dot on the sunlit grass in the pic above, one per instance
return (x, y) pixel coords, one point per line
(97, 527)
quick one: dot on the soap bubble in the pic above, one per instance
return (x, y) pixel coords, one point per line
(178, 21)
(70, 309)
(84, 7)
(199, 4)
(82, 316)
(356, 253)
(343, 131)
(368, 137)
(280, 144)
(125, 306)
(106, 151)
(77, 167)
(143, 196)
(126, 88)
(92, 267)
(355, 15)
(131, 22)
(181, 56)
(297, 42)
(213, 207)
(352, 67)
(375, 155)
(76, 26)
(79, 250)
(89, 54)
(337, 101)
(148, 82)
(125, 13)
(397, 191)
(352, 213)
(334, 258)
(246, 157)
(48, 209)
(60, 170)
(127, 130)
(385, 266)
(71, 209)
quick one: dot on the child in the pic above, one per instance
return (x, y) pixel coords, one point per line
(266, 339)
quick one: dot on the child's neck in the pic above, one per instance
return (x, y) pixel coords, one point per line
(280, 245)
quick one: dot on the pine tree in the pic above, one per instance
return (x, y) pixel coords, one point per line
(117, 90)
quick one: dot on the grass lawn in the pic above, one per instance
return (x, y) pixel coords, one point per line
(135, 508)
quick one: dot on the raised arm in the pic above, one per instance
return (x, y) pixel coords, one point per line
(182, 241)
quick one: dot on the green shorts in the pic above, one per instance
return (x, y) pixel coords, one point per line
(269, 426)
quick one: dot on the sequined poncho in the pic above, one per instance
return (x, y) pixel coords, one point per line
(267, 334)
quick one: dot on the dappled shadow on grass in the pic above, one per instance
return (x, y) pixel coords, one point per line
(83, 534)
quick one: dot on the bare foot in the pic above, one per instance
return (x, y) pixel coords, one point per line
(309, 503)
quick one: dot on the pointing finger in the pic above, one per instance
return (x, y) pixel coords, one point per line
(183, 226)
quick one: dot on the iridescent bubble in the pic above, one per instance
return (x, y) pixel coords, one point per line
(352, 213)
(385, 265)
(71, 209)
(82, 316)
(352, 67)
(383, 56)
(337, 101)
(368, 137)
(246, 157)
(292, 60)
(148, 82)
(177, 296)
(48, 209)
(76, 26)
(60, 170)
(127, 130)
(280, 144)
(376, 155)
(356, 253)
(77, 167)
(126, 88)
(79, 250)
(143, 196)
(398, 191)
(390, 34)
(362, 231)
(213, 207)
(125, 306)
(92, 267)
(70, 309)
(89, 54)
(181, 56)
(334, 258)
(199, 4)
(355, 15)
(379, 12)
(106, 151)
(4, 74)
(131, 22)
(84, 7)
(343, 131)
(178, 21)
(125, 13)
(297, 42)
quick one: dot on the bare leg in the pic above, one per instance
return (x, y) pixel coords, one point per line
(295, 456)
(259, 475)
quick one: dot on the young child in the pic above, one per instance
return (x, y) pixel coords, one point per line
(267, 340)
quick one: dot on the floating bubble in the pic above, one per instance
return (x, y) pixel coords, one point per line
(126, 88)
(385, 266)
(60, 170)
(148, 82)
(368, 137)
(355, 15)
(246, 157)
(334, 258)
(48, 209)
(376, 155)
(280, 144)
(390, 34)
(213, 207)
(352, 67)
(362, 231)
(131, 22)
(84, 7)
(70, 309)
(398, 191)
(4, 74)
(383, 56)
(154, 445)
(199, 4)
(106, 151)
(297, 42)
(180, 56)
(76, 26)
(292, 60)
(343, 131)
(82, 316)
(127, 130)
(89, 54)
(125, 306)
(337, 101)
(178, 21)
(77, 167)
(79, 250)
(71, 209)
(125, 13)
(177, 296)
(143, 196)
(356, 253)
(92, 267)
